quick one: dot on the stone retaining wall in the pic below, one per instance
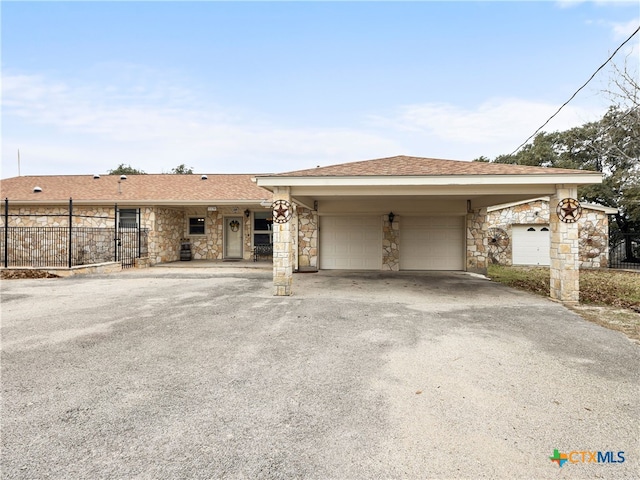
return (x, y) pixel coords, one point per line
(22, 272)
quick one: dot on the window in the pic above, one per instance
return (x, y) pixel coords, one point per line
(262, 228)
(196, 226)
(128, 217)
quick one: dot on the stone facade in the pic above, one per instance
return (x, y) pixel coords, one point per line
(391, 244)
(477, 259)
(593, 226)
(283, 251)
(167, 226)
(307, 238)
(565, 266)
(58, 216)
(37, 251)
(594, 239)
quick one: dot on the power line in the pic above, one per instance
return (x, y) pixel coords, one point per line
(577, 91)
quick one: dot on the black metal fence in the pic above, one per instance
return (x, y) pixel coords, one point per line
(71, 246)
(624, 251)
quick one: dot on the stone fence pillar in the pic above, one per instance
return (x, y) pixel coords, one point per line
(282, 248)
(564, 252)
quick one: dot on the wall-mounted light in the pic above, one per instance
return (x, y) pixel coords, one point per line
(247, 213)
(391, 217)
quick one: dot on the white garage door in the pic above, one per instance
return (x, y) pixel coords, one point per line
(531, 244)
(351, 243)
(432, 243)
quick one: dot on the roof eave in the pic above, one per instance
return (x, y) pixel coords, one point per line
(384, 180)
(590, 206)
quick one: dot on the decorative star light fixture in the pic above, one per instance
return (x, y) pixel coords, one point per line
(569, 210)
(281, 211)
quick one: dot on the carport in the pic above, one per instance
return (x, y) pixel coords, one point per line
(412, 213)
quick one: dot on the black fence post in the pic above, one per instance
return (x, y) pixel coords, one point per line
(139, 233)
(116, 231)
(6, 232)
(70, 231)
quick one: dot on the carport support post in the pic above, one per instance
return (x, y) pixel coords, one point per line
(477, 243)
(282, 249)
(564, 253)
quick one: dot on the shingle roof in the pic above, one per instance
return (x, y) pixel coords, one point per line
(402, 165)
(154, 189)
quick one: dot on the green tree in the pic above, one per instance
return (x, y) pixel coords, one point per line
(616, 152)
(182, 169)
(611, 146)
(617, 149)
(123, 169)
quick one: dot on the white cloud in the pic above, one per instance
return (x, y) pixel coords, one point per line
(600, 3)
(622, 30)
(63, 128)
(92, 128)
(495, 127)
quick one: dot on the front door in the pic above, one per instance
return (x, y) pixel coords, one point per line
(233, 237)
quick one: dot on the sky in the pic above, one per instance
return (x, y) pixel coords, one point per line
(259, 87)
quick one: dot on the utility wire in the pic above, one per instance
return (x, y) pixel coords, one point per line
(577, 91)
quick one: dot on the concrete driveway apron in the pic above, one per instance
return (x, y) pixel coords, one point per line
(202, 373)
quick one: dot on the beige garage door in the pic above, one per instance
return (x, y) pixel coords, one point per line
(531, 245)
(432, 243)
(351, 243)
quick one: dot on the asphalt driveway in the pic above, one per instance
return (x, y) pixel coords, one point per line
(198, 373)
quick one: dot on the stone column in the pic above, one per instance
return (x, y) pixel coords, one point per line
(390, 244)
(564, 252)
(477, 243)
(282, 248)
(307, 238)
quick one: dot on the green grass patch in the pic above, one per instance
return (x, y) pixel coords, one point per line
(531, 279)
(610, 287)
(610, 298)
(597, 287)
